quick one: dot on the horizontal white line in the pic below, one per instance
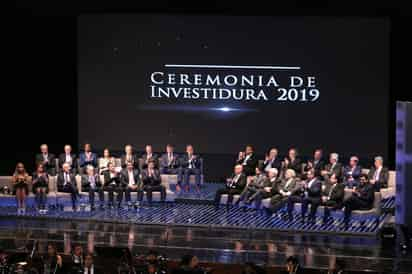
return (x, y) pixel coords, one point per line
(229, 66)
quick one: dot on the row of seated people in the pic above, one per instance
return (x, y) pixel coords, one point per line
(290, 190)
(170, 162)
(123, 183)
(349, 174)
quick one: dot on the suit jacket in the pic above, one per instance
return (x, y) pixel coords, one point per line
(250, 165)
(62, 160)
(293, 186)
(124, 175)
(50, 160)
(336, 192)
(383, 177)
(83, 162)
(276, 163)
(337, 169)
(154, 157)
(108, 181)
(86, 183)
(165, 163)
(366, 194)
(296, 165)
(315, 190)
(260, 181)
(155, 180)
(355, 173)
(239, 184)
(318, 166)
(134, 159)
(184, 161)
(60, 179)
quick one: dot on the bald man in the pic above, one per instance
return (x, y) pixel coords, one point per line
(234, 186)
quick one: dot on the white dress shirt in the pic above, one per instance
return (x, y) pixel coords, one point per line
(131, 178)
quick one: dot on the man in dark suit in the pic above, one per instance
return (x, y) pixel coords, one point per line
(234, 186)
(129, 156)
(87, 157)
(152, 182)
(312, 195)
(352, 172)
(68, 157)
(66, 182)
(190, 164)
(333, 167)
(317, 163)
(47, 159)
(130, 181)
(91, 183)
(89, 266)
(362, 198)
(170, 164)
(149, 156)
(112, 184)
(378, 175)
(272, 161)
(292, 161)
(248, 160)
(332, 196)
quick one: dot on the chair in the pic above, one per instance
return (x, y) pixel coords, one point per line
(375, 210)
(171, 179)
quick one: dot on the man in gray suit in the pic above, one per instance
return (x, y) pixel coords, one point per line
(258, 182)
(378, 175)
(288, 187)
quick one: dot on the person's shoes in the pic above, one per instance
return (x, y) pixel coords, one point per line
(74, 208)
(92, 208)
(101, 207)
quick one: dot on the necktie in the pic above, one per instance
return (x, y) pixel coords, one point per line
(376, 177)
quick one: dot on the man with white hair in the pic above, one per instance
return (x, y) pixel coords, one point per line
(272, 160)
(68, 157)
(334, 167)
(281, 192)
(270, 186)
(47, 159)
(66, 182)
(91, 183)
(352, 172)
(378, 175)
(234, 186)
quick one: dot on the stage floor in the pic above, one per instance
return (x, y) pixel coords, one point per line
(196, 210)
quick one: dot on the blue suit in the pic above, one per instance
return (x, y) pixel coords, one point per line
(347, 173)
(83, 162)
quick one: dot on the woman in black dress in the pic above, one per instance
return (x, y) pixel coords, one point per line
(40, 185)
(20, 181)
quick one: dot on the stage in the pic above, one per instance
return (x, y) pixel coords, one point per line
(197, 210)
